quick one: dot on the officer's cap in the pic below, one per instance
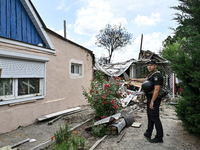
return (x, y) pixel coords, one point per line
(152, 62)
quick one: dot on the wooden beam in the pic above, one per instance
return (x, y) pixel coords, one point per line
(58, 113)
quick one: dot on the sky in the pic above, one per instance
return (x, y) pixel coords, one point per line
(85, 18)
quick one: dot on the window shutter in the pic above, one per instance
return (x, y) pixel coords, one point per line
(16, 68)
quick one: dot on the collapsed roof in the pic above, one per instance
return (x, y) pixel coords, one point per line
(116, 69)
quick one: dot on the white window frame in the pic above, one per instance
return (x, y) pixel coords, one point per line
(76, 75)
(8, 97)
(77, 71)
(14, 98)
(15, 91)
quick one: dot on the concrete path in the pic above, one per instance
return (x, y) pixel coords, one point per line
(175, 137)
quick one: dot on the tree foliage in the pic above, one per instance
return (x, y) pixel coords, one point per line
(183, 52)
(113, 38)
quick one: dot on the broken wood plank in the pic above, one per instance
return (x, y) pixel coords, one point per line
(133, 83)
(42, 145)
(52, 121)
(121, 137)
(17, 144)
(57, 113)
(97, 143)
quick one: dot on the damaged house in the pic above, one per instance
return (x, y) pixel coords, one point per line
(42, 72)
(138, 69)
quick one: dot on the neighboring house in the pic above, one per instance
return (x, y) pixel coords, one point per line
(138, 68)
(42, 72)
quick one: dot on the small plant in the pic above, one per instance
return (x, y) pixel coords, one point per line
(82, 142)
(99, 130)
(66, 141)
(63, 146)
(62, 135)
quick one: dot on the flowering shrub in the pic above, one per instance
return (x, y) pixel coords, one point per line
(104, 96)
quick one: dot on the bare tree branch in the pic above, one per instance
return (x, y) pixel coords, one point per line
(113, 38)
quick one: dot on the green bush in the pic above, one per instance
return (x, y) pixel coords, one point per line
(104, 96)
(183, 52)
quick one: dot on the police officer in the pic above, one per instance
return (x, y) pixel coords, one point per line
(153, 103)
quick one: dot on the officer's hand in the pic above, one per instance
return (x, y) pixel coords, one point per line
(151, 105)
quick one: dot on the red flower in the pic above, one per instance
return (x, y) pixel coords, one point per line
(102, 97)
(115, 106)
(112, 101)
(91, 91)
(128, 92)
(109, 92)
(106, 86)
(102, 117)
(104, 94)
(105, 103)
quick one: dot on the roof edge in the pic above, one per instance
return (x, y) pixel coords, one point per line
(62, 38)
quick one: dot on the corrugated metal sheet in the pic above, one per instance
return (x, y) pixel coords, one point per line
(115, 69)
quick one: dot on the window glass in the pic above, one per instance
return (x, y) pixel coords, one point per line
(76, 68)
(6, 87)
(72, 68)
(28, 86)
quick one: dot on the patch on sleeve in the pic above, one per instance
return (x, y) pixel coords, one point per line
(156, 78)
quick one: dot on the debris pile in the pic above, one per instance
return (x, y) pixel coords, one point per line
(137, 99)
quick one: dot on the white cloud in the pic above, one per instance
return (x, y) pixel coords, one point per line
(144, 20)
(69, 26)
(90, 43)
(152, 42)
(117, 21)
(94, 17)
(62, 5)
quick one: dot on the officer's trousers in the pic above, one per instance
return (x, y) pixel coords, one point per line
(154, 119)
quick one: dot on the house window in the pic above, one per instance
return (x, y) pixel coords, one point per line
(6, 87)
(20, 88)
(28, 86)
(76, 68)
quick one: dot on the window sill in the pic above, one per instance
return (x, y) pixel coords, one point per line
(23, 100)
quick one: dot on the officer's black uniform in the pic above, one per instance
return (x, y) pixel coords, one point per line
(153, 115)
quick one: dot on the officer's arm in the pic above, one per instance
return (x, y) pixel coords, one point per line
(155, 95)
(138, 80)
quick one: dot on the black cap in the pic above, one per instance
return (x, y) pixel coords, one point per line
(152, 62)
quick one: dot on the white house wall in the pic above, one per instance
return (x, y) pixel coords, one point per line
(62, 91)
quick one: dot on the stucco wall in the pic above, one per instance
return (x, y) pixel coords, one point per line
(62, 90)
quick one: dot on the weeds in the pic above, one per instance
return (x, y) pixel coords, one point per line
(66, 141)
